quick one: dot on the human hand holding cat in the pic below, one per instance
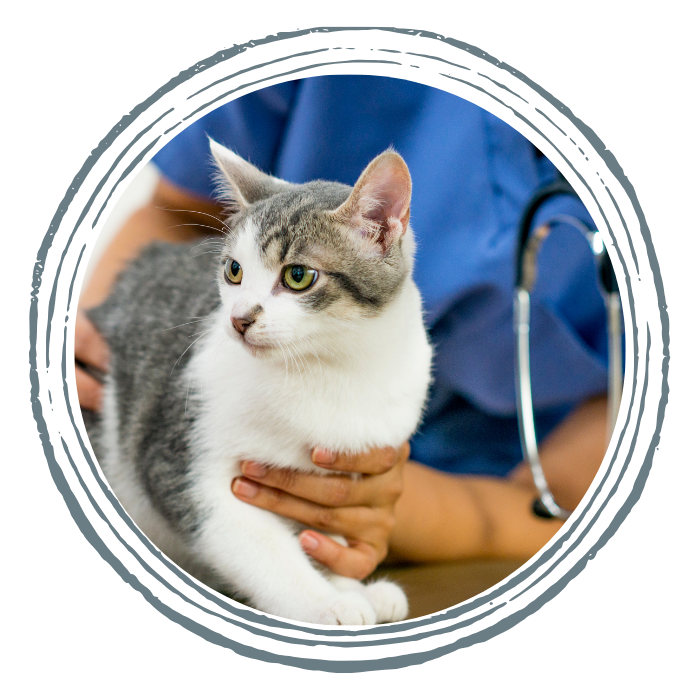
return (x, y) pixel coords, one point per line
(359, 509)
(90, 350)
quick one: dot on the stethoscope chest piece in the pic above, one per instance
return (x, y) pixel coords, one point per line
(541, 511)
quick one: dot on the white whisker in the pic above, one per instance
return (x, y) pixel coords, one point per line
(302, 358)
(202, 213)
(189, 323)
(294, 356)
(308, 369)
(212, 228)
(216, 242)
(201, 335)
(315, 354)
(218, 347)
(326, 350)
(286, 366)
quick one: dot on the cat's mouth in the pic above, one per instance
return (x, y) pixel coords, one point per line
(255, 348)
(252, 345)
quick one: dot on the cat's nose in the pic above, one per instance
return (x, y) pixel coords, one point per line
(242, 323)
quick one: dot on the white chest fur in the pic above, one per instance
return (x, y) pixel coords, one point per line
(369, 394)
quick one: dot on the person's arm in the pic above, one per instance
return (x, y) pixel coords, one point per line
(173, 215)
(437, 516)
(441, 516)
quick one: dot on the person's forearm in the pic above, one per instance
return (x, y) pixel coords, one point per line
(445, 516)
(442, 516)
(159, 220)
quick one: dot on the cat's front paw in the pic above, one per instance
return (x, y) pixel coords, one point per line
(388, 600)
(347, 608)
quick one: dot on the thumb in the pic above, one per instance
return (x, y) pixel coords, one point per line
(357, 560)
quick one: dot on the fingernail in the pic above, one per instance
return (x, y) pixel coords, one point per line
(244, 488)
(308, 541)
(322, 456)
(253, 469)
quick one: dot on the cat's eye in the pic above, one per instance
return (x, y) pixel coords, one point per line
(299, 277)
(233, 272)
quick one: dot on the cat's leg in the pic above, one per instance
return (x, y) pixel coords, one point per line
(258, 555)
(127, 486)
(388, 599)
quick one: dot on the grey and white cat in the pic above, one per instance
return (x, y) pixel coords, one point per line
(313, 337)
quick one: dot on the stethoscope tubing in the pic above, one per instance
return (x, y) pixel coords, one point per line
(529, 242)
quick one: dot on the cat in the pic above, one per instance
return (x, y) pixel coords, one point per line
(313, 336)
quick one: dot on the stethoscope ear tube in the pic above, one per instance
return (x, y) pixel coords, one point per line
(529, 243)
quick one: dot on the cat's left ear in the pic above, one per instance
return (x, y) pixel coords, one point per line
(241, 183)
(380, 203)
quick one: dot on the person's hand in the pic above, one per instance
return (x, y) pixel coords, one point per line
(90, 350)
(359, 504)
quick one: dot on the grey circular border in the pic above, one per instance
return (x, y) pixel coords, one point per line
(61, 262)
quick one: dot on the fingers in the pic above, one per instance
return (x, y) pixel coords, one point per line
(377, 461)
(334, 490)
(76, 412)
(90, 347)
(324, 490)
(371, 525)
(358, 560)
(360, 509)
(89, 390)
(355, 522)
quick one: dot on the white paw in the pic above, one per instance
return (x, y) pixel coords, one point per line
(348, 608)
(388, 600)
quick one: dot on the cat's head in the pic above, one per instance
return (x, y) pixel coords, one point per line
(305, 266)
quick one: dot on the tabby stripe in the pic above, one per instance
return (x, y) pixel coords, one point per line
(354, 291)
(279, 233)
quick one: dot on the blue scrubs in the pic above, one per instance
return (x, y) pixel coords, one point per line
(473, 176)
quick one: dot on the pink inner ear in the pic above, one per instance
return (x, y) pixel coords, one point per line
(390, 194)
(378, 208)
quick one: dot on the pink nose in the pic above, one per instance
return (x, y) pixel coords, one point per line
(242, 324)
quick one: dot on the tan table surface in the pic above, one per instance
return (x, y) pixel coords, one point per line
(434, 587)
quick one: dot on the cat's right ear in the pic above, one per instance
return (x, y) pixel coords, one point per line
(240, 183)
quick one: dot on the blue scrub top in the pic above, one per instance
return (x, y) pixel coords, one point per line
(473, 176)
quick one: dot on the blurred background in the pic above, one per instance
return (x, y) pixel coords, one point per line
(135, 196)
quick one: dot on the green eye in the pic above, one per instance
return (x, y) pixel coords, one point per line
(234, 272)
(299, 277)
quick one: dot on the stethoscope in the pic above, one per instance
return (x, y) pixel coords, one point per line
(529, 244)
